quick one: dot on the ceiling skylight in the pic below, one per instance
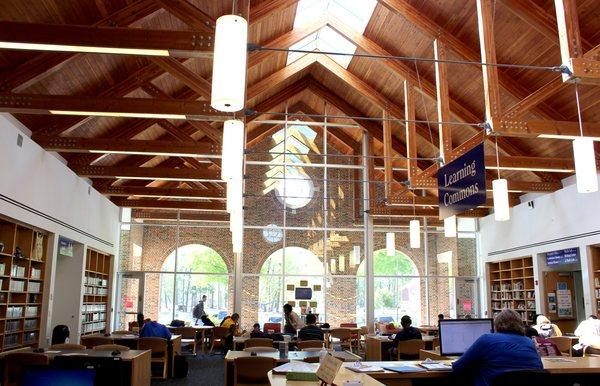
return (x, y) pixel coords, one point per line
(354, 13)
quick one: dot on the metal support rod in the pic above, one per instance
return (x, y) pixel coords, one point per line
(306, 123)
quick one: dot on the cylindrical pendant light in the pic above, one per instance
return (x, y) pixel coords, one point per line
(415, 234)
(332, 266)
(390, 244)
(234, 195)
(342, 263)
(229, 63)
(450, 226)
(233, 149)
(356, 251)
(500, 194)
(585, 165)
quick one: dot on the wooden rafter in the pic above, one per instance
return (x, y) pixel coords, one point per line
(143, 191)
(170, 204)
(154, 215)
(411, 131)
(157, 173)
(491, 89)
(443, 101)
(189, 14)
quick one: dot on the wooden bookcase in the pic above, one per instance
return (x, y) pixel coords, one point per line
(512, 286)
(95, 311)
(21, 284)
(595, 252)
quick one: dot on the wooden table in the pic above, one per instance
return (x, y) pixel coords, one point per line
(429, 330)
(343, 375)
(131, 341)
(199, 330)
(376, 346)
(138, 361)
(354, 330)
(346, 356)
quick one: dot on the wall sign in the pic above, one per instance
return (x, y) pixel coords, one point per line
(565, 256)
(65, 247)
(461, 183)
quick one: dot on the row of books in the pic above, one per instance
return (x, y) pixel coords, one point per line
(96, 291)
(17, 311)
(98, 307)
(90, 327)
(89, 280)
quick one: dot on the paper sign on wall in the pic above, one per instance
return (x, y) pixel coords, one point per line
(565, 304)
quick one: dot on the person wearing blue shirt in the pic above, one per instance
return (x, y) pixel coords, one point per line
(506, 349)
(155, 330)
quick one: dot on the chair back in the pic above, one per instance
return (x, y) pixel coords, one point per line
(260, 349)
(349, 325)
(186, 332)
(342, 334)
(258, 342)
(133, 325)
(563, 343)
(60, 334)
(276, 327)
(67, 346)
(111, 347)
(590, 351)
(156, 345)
(308, 344)
(410, 349)
(16, 364)
(121, 332)
(220, 332)
(252, 369)
(91, 342)
(524, 377)
(436, 342)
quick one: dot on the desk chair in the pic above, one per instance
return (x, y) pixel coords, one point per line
(563, 343)
(410, 349)
(91, 342)
(354, 336)
(159, 351)
(121, 332)
(188, 337)
(344, 336)
(133, 325)
(276, 327)
(258, 342)
(524, 377)
(306, 345)
(590, 351)
(67, 346)
(17, 363)
(436, 342)
(218, 337)
(252, 370)
(111, 347)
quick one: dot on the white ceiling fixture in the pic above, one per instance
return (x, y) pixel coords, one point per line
(415, 234)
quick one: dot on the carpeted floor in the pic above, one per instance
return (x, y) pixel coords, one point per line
(207, 370)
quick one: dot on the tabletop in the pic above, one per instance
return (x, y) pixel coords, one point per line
(346, 356)
(343, 376)
(194, 327)
(123, 336)
(124, 355)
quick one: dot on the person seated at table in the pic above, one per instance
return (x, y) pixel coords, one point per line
(231, 323)
(588, 332)
(440, 317)
(506, 349)
(311, 331)
(256, 332)
(206, 321)
(546, 328)
(545, 347)
(408, 332)
(153, 329)
(292, 320)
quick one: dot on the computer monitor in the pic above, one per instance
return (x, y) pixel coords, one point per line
(51, 376)
(303, 293)
(457, 335)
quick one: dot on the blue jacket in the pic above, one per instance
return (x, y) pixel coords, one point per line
(493, 354)
(155, 330)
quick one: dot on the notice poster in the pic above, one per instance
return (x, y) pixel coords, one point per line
(552, 302)
(565, 304)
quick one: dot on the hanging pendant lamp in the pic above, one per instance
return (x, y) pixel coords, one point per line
(500, 193)
(450, 226)
(390, 244)
(415, 234)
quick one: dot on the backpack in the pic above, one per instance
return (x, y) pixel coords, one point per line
(180, 365)
(177, 323)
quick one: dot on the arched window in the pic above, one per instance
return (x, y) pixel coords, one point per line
(281, 273)
(397, 288)
(198, 270)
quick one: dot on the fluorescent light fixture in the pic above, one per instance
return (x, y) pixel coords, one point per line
(521, 169)
(84, 49)
(500, 195)
(342, 263)
(356, 251)
(233, 149)
(157, 154)
(415, 234)
(229, 63)
(450, 226)
(117, 114)
(568, 137)
(332, 266)
(585, 165)
(390, 244)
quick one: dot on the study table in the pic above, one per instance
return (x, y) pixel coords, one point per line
(377, 345)
(131, 341)
(584, 371)
(346, 356)
(137, 362)
(199, 330)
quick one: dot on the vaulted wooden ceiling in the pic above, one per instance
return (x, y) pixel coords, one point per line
(525, 32)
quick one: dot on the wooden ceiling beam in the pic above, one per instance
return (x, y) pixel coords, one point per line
(443, 101)
(548, 129)
(551, 164)
(83, 39)
(143, 191)
(281, 75)
(421, 212)
(405, 10)
(189, 14)
(491, 88)
(85, 105)
(157, 173)
(44, 64)
(185, 75)
(169, 204)
(129, 146)
(269, 7)
(288, 92)
(170, 216)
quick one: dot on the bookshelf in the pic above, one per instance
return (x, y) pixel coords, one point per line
(22, 264)
(512, 286)
(95, 310)
(595, 252)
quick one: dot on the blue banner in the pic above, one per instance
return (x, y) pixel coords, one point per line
(565, 256)
(461, 183)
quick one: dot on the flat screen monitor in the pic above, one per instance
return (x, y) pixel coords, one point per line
(303, 293)
(457, 335)
(49, 376)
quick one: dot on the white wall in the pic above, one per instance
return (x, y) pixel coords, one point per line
(560, 220)
(38, 189)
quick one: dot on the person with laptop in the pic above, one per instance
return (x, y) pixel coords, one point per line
(506, 349)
